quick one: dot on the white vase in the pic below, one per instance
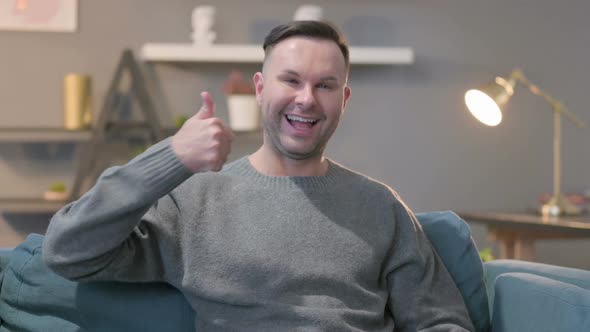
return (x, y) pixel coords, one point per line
(244, 113)
(55, 195)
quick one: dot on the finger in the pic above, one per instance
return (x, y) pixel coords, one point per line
(207, 108)
(228, 130)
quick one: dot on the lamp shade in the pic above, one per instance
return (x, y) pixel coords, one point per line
(487, 102)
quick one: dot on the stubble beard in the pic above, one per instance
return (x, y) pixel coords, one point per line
(273, 133)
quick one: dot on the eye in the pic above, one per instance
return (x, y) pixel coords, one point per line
(324, 86)
(290, 80)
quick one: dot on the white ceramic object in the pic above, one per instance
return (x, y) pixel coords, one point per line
(244, 113)
(308, 13)
(55, 196)
(202, 20)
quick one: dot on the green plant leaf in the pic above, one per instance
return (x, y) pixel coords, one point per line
(59, 187)
(486, 255)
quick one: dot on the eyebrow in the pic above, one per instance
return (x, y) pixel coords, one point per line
(323, 79)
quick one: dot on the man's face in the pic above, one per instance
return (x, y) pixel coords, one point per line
(302, 93)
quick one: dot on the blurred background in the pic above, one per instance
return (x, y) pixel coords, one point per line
(405, 125)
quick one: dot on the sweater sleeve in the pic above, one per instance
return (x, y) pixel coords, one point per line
(118, 229)
(423, 297)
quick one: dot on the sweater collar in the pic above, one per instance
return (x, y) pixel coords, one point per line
(243, 167)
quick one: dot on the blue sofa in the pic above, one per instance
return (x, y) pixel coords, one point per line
(501, 296)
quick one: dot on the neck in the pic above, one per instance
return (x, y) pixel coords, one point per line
(272, 164)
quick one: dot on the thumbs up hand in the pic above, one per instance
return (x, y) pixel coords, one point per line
(204, 141)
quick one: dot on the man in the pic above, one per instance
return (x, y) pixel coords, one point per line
(281, 240)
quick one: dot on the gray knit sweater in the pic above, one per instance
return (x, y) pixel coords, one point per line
(251, 252)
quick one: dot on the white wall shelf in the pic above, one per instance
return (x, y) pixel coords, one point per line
(236, 53)
(29, 135)
(30, 205)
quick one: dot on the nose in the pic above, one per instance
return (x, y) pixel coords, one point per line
(305, 97)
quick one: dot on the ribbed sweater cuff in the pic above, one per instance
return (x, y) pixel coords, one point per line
(159, 169)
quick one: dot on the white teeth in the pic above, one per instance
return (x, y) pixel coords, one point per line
(300, 119)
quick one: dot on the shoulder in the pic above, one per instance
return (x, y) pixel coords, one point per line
(356, 179)
(374, 191)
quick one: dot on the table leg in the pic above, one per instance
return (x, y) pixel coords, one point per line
(505, 242)
(524, 249)
(513, 246)
(507, 248)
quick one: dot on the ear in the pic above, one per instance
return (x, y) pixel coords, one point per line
(347, 93)
(259, 86)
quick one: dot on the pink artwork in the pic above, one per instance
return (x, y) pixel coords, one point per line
(39, 15)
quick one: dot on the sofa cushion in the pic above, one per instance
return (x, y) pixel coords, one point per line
(116, 306)
(495, 268)
(451, 238)
(4, 253)
(526, 302)
(33, 298)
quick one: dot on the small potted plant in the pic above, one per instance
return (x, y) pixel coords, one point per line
(486, 255)
(56, 192)
(244, 114)
(179, 120)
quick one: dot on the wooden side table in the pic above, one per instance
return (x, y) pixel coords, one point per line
(516, 233)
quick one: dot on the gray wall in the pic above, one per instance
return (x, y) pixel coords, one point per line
(404, 125)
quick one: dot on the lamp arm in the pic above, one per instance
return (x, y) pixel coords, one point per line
(557, 106)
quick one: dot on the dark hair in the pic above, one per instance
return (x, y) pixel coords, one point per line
(313, 29)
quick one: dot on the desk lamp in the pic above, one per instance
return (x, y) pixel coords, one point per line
(487, 103)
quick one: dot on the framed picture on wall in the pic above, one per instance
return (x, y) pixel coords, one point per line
(39, 15)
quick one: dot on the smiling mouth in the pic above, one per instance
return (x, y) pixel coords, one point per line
(299, 122)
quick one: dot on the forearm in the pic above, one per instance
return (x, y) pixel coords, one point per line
(96, 231)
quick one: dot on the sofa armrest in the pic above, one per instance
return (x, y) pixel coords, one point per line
(493, 269)
(4, 254)
(526, 303)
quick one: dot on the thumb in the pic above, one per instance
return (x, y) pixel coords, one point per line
(207, 108)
